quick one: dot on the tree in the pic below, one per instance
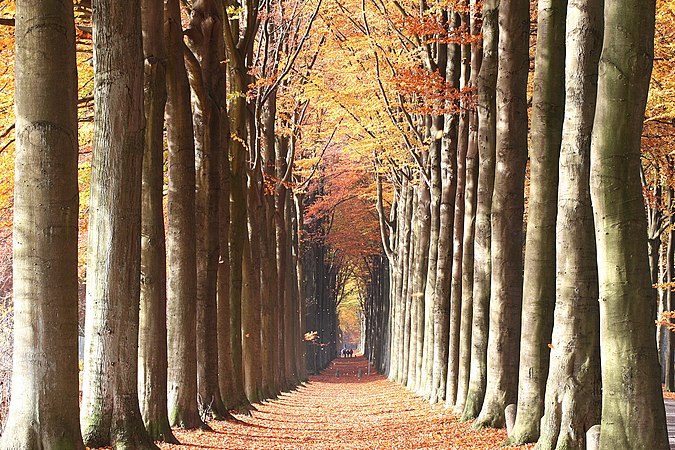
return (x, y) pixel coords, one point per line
(152, 352)
(486, 86)
(630, 372)
(44, 406)
(205, 39)
(540, 277)
(572, 408)
(181, 250)
(470, 199)
(110, 411)
(507, 212)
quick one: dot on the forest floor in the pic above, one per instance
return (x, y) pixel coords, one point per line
(347, 412)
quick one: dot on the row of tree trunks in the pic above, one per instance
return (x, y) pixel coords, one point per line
(166, 305)
(470, 190)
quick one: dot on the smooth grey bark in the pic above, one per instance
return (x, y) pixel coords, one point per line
(406, 288)
(152, 353)
(207, 80)
(110, 412)
(486, 86)
(540, 267)
(470, 199)
(427, 387)
(396, 269)
(630, 371)
(43, 412)
(441, 299)
(420, 266)
(464, 344)
(572, 403)
(181, 233)
(458, 231)
(507, 212)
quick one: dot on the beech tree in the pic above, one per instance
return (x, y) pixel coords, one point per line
(572, 408)
(539, 268)
(181, 233)
(487, 112)
(205, 39)
(110, 412)
(507, 212)
(630, 372)
(44, 406)
(152, 352)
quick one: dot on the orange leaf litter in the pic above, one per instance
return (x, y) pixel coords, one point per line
(344, 413)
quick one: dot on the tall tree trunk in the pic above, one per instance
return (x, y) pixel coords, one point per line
(205, 38)
(470, 199)
(251, 313)
(573, 388)
(630, 371)
(486, 85)
(110, 412)
(181, 252)
(44, 408)
(152, 353)
(421, 260)
(428, 388)
(441, 297)
(539, 277)
(269, 275)
(238, 227)
(458, 232)
(669, 369)
(464, 357)
(409, 286)
(507, 212)
(225, 365)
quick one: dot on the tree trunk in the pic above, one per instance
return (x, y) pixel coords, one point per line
(205, 38)
(420, 263)
(409, 286)
(464, 357)
(630, 371)
(44, 408)
(152, 353)
(238, 227)
(269, 275)
(251, 301)
(507, 212)
(668, 368)
(486, 85)
(428, 387)
(225, 365)
(441, 297)
(470, 198)
(181, 251)
(458, 234)
(539, 278)
(573, 389)
(110, 411)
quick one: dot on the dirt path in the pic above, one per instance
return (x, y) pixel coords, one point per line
(344, 413)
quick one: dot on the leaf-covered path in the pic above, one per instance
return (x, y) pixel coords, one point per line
(344, 413)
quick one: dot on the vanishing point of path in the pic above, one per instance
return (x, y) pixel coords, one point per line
(344, 413)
